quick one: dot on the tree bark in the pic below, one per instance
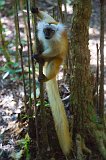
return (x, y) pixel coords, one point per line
(101, 92)
(85, 119)
(81, 84)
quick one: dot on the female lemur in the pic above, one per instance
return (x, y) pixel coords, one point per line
(54, 39)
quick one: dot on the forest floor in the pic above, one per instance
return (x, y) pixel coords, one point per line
(11, 92)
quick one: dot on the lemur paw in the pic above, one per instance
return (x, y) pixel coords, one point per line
(35, 56)
(38, 58)
(42, 78)
(34, 10)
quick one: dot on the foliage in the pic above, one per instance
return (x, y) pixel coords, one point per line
(11, 69)
(46, 104)
(2, 3)
(24, 144)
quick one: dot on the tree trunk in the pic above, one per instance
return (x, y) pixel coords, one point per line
(85, 119)
(81, 85)
(101, 92)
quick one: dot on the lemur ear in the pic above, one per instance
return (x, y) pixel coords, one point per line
(34, 10)
(61, 27)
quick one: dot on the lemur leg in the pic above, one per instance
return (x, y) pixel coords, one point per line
(52, 68)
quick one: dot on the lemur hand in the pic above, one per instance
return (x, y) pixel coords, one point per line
(38, 58)
(42, 78)
(34, 10)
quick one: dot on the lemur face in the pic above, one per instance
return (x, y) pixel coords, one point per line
(49, 31)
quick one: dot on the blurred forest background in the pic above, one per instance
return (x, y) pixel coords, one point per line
(26, 126)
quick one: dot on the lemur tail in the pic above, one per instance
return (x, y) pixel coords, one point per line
(59, 116)
(45, 17)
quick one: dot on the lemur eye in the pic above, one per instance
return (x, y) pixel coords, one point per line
(52, 31)
(49, 30)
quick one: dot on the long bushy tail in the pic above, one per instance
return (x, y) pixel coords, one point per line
(59, 115)
(45, 17)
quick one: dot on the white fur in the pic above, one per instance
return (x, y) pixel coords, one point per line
(57, 36)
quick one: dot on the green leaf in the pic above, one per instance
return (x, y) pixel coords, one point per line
(18, 70)
(15, 65)
(11, 71)
(2, 68)
(2, 3)
(14, 78)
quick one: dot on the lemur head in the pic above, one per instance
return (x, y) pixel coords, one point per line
(50, 31)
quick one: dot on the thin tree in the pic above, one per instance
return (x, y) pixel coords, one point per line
(101, 93)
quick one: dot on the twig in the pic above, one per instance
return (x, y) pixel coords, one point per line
(101, 94)
(39, 50)
(65, 6)
(31, 50)
(60, 10)
(16, 29)
(21, 54)
(29, 59)
(97, 78)
(35, 41)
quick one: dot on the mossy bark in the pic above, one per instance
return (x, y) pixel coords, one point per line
(85, 120)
